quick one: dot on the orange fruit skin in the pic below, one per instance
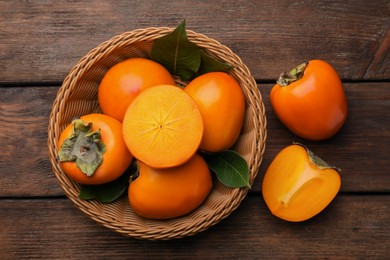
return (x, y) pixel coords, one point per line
(172, 192)
(125, 80)
(222, 105)
(163, 127)
(116, 158)
(314, 107)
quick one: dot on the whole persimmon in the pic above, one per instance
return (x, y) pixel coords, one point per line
(310, 100)
(125, 80)
(171, 192)
(92, 150)
(163, 126)
(221, 102)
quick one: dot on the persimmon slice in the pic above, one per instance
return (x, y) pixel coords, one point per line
(163, 126)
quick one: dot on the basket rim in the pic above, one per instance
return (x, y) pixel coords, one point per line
(88, 207)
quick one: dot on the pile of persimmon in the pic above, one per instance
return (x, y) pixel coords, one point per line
(169, 131)
(146, 118)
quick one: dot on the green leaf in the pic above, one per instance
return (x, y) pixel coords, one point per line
(108, 192)
(230, 167)
(177, 54)
(210, 64)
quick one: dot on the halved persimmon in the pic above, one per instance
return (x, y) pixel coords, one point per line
(163, 126)
(298, 184)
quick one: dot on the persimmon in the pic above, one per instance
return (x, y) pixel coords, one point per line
(163, 126)
(125, 80)
(221, 102)
(310, 100)
(298, 184)
(172, 192)
(92, 150)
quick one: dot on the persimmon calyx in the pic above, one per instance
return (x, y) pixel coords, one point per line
(84, 147)
(318, 161)
(295, 74)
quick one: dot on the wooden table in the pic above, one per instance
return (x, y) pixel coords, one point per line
(40, 41)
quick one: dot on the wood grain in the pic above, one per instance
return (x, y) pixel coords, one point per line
(360, 149)
(25, 169)
(42, 40)
(352, 227)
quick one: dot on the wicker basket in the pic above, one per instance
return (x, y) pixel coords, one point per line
(78, 96)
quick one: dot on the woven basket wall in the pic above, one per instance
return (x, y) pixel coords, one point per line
(78, 96)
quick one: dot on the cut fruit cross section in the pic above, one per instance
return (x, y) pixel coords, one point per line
(163, 127)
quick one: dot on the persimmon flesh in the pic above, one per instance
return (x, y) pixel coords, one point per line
(298, 184)
(163, 127)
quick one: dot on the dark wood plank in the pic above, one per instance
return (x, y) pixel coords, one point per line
(42, 41)
(380, 64)
(352, 227)
(359, 149)
(25, 169)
